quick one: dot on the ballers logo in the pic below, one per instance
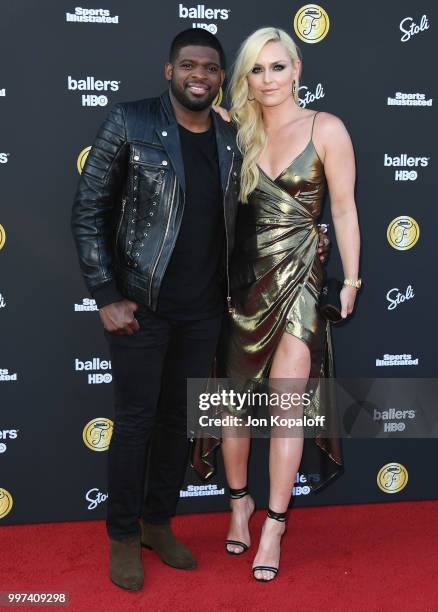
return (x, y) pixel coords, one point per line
(6, 435)
(302, 483)
(90, 83)
(311, 23)
(95, 364)
(97, 434)
(202, 12)
(403, 233)
(392, 478)
(82, 158)
(6, 503)
(406, 161)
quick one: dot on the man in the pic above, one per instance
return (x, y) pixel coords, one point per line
(153, 220)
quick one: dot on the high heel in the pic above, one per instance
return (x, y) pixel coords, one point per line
(238, 494)
(281, 517)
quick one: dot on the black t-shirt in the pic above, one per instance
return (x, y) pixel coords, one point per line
(191, 287)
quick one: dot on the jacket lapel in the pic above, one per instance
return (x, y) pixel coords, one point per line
(168, 135)
(226, 146)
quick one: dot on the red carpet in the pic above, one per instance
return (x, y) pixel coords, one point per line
(374, 557)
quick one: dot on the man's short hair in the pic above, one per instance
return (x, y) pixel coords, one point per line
(197, 37)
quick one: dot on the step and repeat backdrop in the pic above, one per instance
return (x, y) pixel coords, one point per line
(64, 64)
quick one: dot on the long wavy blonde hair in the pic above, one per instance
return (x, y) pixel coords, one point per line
(247, 114)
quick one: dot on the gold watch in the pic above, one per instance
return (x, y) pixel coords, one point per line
(349, 282)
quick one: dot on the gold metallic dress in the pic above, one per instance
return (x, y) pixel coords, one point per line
(276, 280)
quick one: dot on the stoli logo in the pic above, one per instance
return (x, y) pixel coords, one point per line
(310, 97)
(395, 297)
(410, 28)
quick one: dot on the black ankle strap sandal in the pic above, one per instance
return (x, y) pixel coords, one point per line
(281, 517)
(237, 494)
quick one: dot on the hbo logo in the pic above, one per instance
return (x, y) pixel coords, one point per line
(406, 175)
(98, 379)
(394, 426)
(301, 490)
(93, 100)
(211, 27)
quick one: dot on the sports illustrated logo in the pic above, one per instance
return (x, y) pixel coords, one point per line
(86, 15)
(7, 434)
(311, 23)
(90, 83)
(305, 96)
(201, 491)
(392, 478)
(4, 158)
(405, 161)
(202, 12)
(396, 360)
(403, 233)
(6, 377)
(6, 502)
(95, 497)
(95, 364)
(395, 298)
(3, 92)
(2, 301)
(410, 28)
(388, 418)
(87, 305)
(82, 158)
(301, 486)
(97, 434)
(409, 99)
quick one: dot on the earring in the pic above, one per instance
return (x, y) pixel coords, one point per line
(294, 88)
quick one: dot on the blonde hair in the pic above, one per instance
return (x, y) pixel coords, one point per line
(247, 114)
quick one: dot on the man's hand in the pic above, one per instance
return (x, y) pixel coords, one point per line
(323, 242)
(118, 318)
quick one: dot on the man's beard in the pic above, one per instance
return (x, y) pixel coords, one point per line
(190, 103)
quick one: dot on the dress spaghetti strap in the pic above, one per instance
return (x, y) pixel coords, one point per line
(313, 123)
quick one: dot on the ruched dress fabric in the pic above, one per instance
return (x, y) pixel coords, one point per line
(276, 281)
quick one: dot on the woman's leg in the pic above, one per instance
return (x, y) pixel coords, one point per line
(289, 374)
(235, 452)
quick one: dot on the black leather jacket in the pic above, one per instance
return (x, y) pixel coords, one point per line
(130, 200)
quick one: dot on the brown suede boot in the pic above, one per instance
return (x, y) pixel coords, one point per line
(161, 539)
(126, 568)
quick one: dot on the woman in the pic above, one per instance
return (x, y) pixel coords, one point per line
(289, 155)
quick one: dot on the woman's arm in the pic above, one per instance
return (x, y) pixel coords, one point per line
(340, 171)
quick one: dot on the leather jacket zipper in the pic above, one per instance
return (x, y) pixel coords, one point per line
(162, 243)
(230, 308)
(121, 219)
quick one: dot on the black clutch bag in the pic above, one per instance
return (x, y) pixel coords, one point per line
(330, 301)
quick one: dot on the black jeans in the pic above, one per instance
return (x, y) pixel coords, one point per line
(150, 370)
